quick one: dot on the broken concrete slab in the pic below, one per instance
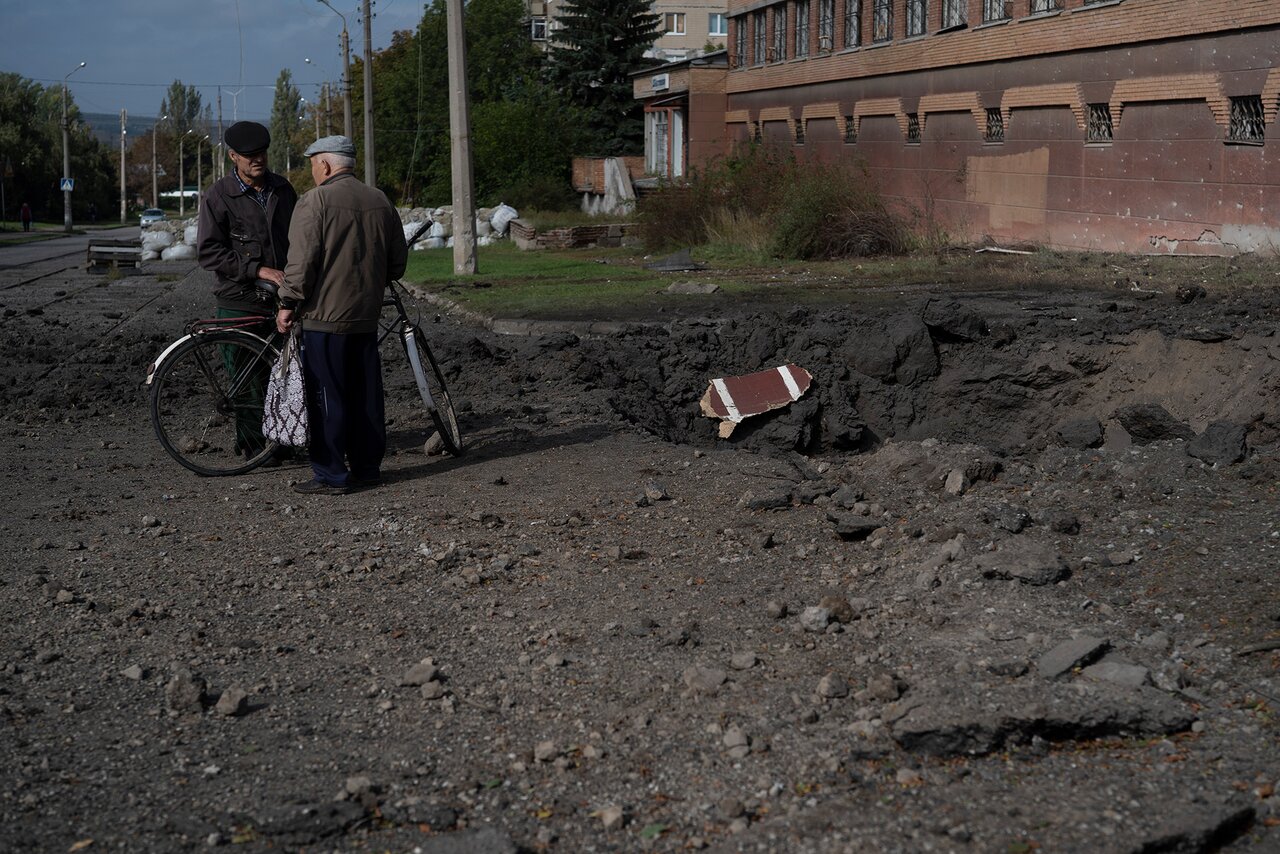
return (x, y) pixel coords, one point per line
(1118, 672)
(1071, 654)
(1030, 563)
(733, 399)
(692, 288)
(964, 721)
(677, 262)
(852, 527)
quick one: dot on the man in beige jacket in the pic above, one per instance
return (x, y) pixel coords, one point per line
(345, 245)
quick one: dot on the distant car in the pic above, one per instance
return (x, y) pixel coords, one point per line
(151, 216)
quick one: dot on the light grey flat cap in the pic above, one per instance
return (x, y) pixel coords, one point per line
(331, 145)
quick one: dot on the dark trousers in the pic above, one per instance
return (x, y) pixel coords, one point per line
(344, 405)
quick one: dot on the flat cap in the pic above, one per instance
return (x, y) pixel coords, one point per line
(247, 137)
(331, 145)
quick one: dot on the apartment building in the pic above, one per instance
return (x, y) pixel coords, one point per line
(687, 28)
(1131, 125)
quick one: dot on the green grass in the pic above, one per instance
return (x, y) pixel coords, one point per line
(612, 284)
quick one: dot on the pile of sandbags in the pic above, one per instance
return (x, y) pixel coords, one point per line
(491, 225)
(169, 241)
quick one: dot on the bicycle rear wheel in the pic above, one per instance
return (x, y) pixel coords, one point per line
(432, 388)
(206, 402)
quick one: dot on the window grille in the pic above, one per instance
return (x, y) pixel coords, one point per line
(852, 23)
(1248, 124)
(800, 132)
(826, 23)
(802, 28)
(758, 37)
(995, 10)
(757, 132)
(779, 32)
(740, 40)
(1039, 7)
(1099, 128)
(995, 125)
(913, 128)
(917, 17)
(882, 21)
(953, 13)
(850, 135)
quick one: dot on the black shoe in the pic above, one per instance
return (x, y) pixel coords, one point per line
(317, 487)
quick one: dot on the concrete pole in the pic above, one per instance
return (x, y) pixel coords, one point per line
(66, 152)
(346, 72)
(464, 206)
(220, 170)
(155, 178)
(124, 204)
(182, 191)
(370, 162)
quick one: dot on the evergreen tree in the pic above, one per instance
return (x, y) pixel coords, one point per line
(598, 46)
(285, 153)
(182, 104)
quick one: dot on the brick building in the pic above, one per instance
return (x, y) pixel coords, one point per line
(1132, 125)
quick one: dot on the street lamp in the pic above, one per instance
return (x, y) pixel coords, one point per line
(324, 97)
(346, 72)
(155, 181)
(66, 153)
(182, 191)
(199, 173)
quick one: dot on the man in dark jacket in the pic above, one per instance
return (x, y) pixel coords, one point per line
(345, 245)
(243, 236)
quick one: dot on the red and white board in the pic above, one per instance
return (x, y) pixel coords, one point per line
(731, 399)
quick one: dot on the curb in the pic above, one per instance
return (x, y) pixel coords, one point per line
(531, 328)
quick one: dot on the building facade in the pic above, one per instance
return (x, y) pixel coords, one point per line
(1130, 125)
(688, 27)
(684, 110)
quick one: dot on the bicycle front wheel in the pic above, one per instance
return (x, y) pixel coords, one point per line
(432, 389)
(206, 402)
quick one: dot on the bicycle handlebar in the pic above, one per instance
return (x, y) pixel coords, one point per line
(417, 235)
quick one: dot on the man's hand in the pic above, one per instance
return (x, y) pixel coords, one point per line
(271, 274)
(284, 320)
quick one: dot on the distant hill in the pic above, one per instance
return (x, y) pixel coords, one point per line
(106, 126)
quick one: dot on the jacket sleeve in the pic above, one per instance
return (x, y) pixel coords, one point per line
(397, 249)
(213, 242)
(306, 250)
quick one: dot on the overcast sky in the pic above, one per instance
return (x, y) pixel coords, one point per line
(136, 48)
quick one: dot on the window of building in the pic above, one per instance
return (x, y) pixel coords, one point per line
(850, 135)
(757, 132)
(658, 147)
(995, 126)
(917, 13)
(1248, 124)
(852, 23)
(882, 21)
(826, 24)
(1039, 7)
(675, 23)
(913, 128)
(758, 37)
(953, 13)
(779, 52)
(802, 28)
(995, 10)
(800, 132)
(1099, 128)
(740, 40)
(717, 25)
(538, 29)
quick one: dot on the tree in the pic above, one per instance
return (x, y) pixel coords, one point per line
(600, 43)
(285, 152)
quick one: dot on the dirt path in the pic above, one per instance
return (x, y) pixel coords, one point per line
(639, 638)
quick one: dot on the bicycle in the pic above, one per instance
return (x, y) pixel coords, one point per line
(207, 390)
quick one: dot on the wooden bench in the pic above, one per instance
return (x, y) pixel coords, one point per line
(114, 253)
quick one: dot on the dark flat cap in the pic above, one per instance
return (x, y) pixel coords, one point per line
(331, 145)
(247, 137)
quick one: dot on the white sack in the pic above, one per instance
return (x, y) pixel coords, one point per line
(502, 216)
(189, 235)
(179, 252)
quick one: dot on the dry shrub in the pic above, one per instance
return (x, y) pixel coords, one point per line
(761, 201)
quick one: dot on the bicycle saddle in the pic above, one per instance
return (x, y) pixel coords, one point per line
(267, 287)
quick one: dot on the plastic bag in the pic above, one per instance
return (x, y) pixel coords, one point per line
(284, 412)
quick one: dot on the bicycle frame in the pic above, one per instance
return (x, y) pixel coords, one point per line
(203, 327)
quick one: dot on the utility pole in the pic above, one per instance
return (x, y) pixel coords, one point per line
(200, 174)
(124, 205)
(155, 178)
(66, 152)
(370, 163)
(464, 205)
(219, 171)
(182, 178)
(346, 72)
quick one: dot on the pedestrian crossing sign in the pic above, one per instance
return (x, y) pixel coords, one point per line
(68, 184)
